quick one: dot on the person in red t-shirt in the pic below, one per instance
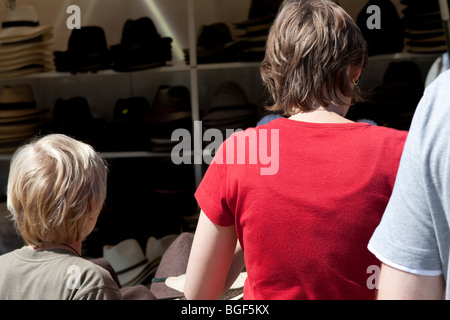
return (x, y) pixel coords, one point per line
(298, 199)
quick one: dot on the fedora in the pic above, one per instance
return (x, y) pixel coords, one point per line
(87, 51)
(141, 47)
(73, 117)
(215, 44)
(397, 98)
(171, 110)
(20, 24)
(128, 131)
(128, 261)
(390, 38)
(17, 104)
(230, 109)
(173, 263)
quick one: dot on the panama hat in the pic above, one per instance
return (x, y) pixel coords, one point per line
(21, 24)
(128, 261)
(17, 104)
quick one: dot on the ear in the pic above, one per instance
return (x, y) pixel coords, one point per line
(354, 74)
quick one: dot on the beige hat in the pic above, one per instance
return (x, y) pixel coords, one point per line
(32, 59)
(18, 49)
(15, 94)
(21, 24)
(128, 261)
(156, 247)
(24, 71)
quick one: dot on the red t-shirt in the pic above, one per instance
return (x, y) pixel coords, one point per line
(304, 223)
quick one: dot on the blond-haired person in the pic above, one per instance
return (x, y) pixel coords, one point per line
(304, 229)
(56, 190)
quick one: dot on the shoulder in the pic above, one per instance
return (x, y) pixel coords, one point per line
(94, 282)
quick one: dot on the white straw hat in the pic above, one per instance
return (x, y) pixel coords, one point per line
(127, 259)
(21, 24)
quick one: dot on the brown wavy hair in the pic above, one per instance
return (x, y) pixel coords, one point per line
(311, 48)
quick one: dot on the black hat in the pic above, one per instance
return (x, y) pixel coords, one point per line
(87, 51)
(73, 117)
(141, 47)
(215, 44)
(390, 37)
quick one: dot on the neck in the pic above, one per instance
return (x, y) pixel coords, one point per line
(319, 114)
(74, 247)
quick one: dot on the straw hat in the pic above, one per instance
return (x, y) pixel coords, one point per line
(21, 24)
(128, 261)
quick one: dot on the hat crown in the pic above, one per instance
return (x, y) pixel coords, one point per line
(229, 94)
(21, 13)
(124, 255)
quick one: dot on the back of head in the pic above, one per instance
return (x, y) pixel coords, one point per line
(310, 48)
(55, 183)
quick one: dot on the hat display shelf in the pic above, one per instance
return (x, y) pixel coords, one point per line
(48, 85)
(201, 79)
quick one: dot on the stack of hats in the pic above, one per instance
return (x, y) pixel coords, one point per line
(171, 110)
(424, 28)
(131, 265)
(386, 37)
(256, 28)
(87, 51)
(141, 47)
(215, 44)
(24, 44)
(397, 98)
(20, 118)
(230, 109)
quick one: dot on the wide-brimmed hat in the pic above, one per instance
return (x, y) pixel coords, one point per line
(215, 44)
(87, 51)
(173, 263)
(21, 24)
(171, 110)
(141, 47)
(390, 38)
(128, 261)
(230, 109)
(17, 104)
(155, 248)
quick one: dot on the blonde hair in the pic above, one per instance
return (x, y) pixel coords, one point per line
(55, 183)
(310, 47)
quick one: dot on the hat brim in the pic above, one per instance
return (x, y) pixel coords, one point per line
(25, 71)
(25, 128)
(8, 115)
(130, 277)
(17, 34)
